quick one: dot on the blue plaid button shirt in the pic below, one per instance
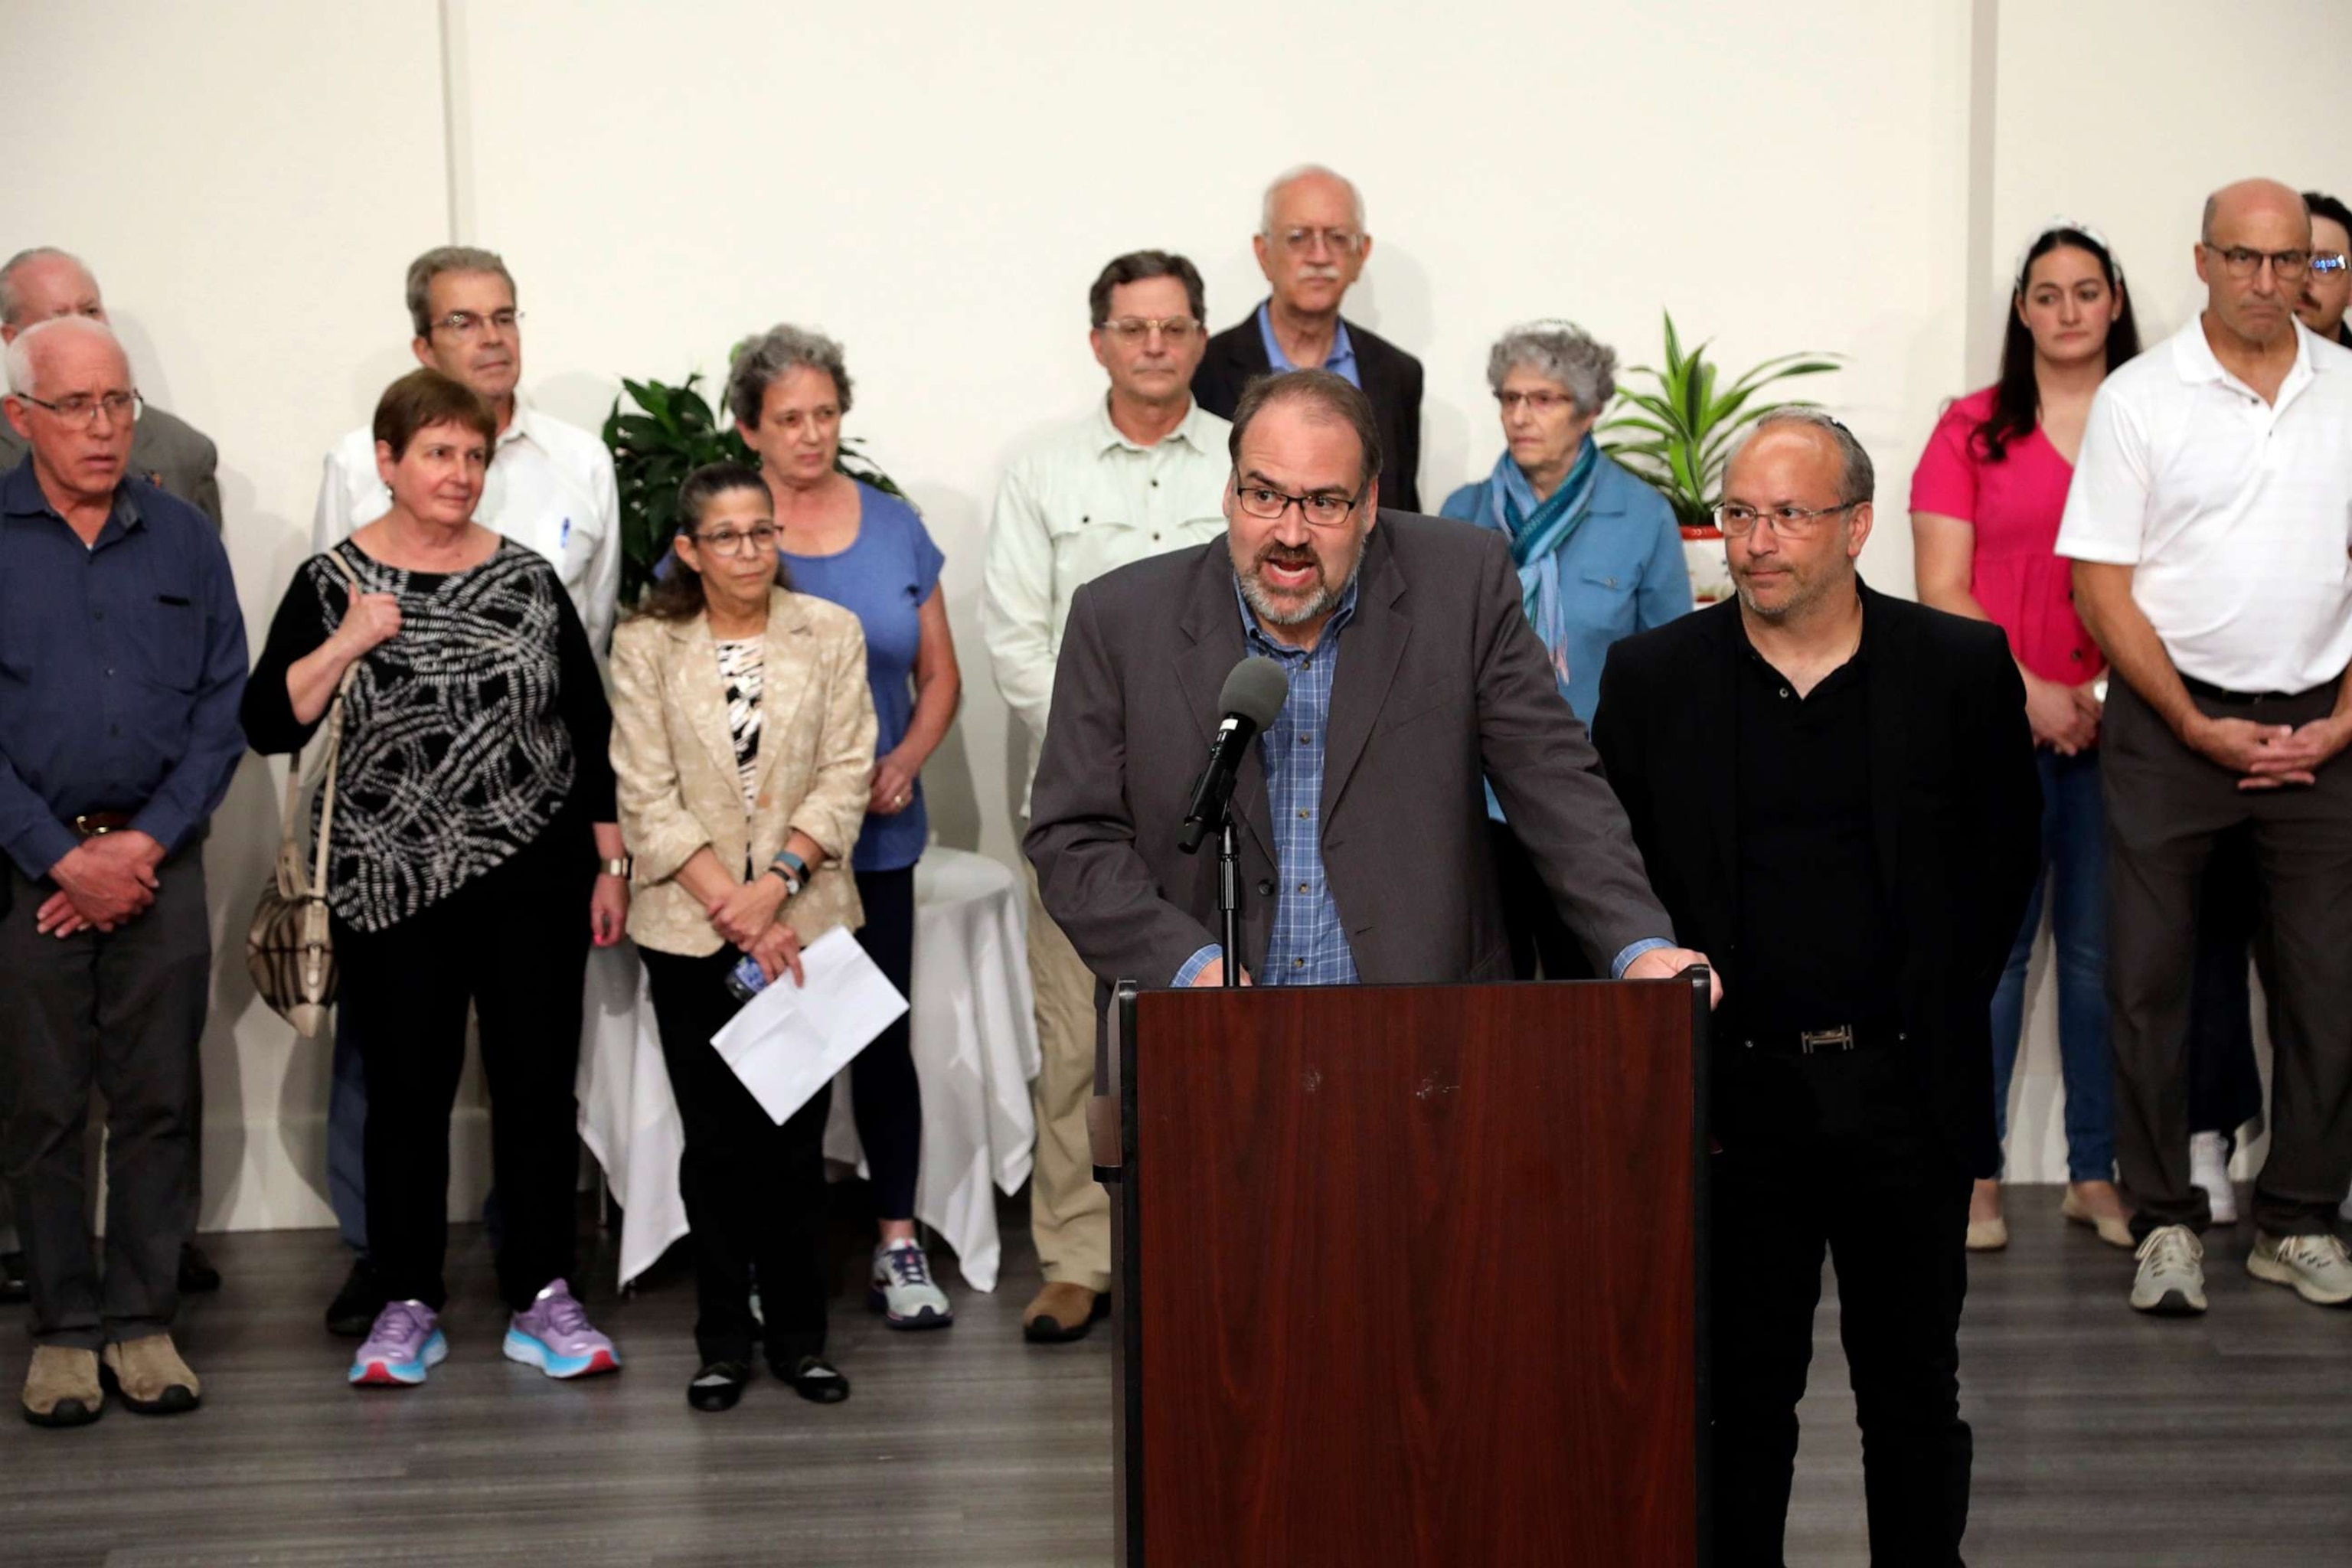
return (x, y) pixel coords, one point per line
(1308, 946)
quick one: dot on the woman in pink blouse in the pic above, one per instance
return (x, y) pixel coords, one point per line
(1986, 501)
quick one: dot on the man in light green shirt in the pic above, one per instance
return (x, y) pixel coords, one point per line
(1144, 472)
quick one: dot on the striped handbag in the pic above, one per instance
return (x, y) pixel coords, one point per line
(290, 948)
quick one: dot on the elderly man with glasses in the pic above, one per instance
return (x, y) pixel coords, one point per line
(1835, 793)
(1311, 244)
(2207, 525)
(122, 661)
(1141, 474)
(551, 488)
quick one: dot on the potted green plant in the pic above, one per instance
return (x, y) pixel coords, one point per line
(666, 433)
(1678, 437)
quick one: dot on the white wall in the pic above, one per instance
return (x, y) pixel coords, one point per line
(936, 186)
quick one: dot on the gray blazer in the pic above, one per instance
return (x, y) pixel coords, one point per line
(166, 448)
(1441, 683)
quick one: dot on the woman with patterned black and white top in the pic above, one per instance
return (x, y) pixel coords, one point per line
(742, 746)
(474, 802)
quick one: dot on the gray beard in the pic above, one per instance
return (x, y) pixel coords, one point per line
(1322, 602)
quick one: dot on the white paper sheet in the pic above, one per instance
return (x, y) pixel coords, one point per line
(788, 1040)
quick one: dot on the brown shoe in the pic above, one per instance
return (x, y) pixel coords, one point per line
(151, 1377)
(1062, 1312)
(61, 1390)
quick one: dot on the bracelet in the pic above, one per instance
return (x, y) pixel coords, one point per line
(623, 867)
(792, 863)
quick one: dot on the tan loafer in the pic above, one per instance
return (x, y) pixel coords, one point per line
(2115, 1229)
(1062, 1312)
(151, 1377)
(1987, 1235)
(62, 1389)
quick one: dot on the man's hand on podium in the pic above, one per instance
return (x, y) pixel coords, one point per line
(1666, 962)
(1213, 973)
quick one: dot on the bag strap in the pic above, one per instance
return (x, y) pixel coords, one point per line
(290, 869)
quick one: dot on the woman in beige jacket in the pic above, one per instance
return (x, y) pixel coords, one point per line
(742, 744)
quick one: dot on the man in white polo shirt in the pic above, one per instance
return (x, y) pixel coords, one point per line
(1143, 473)
(2209, 523)
(551, 487)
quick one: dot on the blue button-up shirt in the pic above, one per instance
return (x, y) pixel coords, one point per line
(1341, 361)
(122, 665)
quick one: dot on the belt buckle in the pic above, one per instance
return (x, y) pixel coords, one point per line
(1812, 1040)
(89, 830)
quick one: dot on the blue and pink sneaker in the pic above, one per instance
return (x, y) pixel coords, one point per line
(554, 1335)
(403, 1345)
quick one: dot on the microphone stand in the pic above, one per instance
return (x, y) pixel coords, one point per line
(1229, 895)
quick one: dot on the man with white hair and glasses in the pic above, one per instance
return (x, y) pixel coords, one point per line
(1311, 244)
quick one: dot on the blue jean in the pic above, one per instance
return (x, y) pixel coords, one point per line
(2075, 871)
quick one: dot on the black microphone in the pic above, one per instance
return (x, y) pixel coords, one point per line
(1253, 696)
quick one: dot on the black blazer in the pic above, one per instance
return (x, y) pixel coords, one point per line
(1955, 795)
(1236, 356)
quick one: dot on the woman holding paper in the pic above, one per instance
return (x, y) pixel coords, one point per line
(742, 739)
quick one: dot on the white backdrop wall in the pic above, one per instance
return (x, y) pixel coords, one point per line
(936, 187)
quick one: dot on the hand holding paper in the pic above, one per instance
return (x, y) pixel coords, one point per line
(790, 1040)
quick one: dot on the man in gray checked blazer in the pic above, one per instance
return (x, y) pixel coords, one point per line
(37, 284)
(1414, 679)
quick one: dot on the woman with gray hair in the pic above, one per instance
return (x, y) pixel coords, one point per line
(1598, 552)
(848, 542)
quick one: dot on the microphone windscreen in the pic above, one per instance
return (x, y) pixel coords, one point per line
(1254, 690)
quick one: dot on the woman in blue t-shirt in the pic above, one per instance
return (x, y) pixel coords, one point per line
(846, 541)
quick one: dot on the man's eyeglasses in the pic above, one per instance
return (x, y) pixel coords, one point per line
(1135, 328)
(1536, 402)
(2328, 262)
(1324, 508)
(2243, 263)
(1342, 241)
(727, 543)
(120, 407)
(1738, 519)
(468, 324)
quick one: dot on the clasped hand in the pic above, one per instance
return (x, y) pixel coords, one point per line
(102, 883)
(2267, 757)
(746, 916)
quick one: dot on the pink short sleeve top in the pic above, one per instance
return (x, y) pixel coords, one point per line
(2015, 506)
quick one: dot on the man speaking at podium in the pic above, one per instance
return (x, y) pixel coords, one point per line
(1412, 676)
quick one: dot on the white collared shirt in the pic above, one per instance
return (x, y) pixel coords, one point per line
(1080, 502)
(549, 488)
(2235, 514)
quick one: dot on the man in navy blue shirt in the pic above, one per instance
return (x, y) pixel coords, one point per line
(122, 661)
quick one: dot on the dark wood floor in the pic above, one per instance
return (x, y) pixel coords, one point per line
(2103, 1439)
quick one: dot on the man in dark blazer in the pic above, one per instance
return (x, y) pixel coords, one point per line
(1311, 245)
(1835, 793)
(1412, 676)
(167, 451)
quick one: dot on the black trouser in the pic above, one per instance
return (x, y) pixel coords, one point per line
(884, 1094)
(514, 942)
(2225, 1083)
(124, 1009)
(1531, 916)
(755, 1192)
(1837, 1151)
(2166, 808)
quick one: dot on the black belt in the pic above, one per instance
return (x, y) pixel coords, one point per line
(2213, 693)
(1835, 1040)
(99, 824)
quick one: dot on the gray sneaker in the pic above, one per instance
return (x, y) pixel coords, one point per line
(2316, 1268)
(902, 1291)
(2171, 1272)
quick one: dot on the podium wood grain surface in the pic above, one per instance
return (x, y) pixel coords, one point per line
(1410, 1276)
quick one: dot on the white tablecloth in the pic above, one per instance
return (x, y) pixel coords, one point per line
(975, 1043)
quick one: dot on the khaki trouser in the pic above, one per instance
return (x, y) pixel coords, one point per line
(1069, 1211)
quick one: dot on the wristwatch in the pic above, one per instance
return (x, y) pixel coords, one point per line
(622, 868)
(791, 869)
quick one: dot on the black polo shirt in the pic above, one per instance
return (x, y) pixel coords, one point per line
(1816, 935)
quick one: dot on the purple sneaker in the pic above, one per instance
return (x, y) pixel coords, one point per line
(554, 1336)
(405, 1343)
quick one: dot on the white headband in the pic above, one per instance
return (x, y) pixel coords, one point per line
(2025, 257)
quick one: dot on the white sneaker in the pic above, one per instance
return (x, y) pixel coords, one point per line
(2172, 1278)
(2317, 1267)
(902, 1288)
(2209, 1167)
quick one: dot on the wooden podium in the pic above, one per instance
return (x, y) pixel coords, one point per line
(1411, 1274)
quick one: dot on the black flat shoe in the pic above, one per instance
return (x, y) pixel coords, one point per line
(197, 1275)
(817, 1380)
(718, 1385)
(352, 1313)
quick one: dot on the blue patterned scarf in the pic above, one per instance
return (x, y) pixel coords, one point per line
(1536, 530)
